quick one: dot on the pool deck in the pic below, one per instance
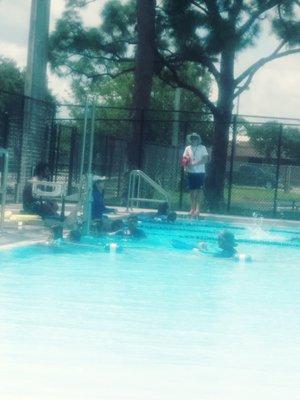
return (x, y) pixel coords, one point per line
(30, 232)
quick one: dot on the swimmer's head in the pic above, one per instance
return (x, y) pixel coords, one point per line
(75, 235)
(116, 225)
(202, 246)
(132, 221)
(226, 240)
(163, 208)
(172, 216)
(57, 232)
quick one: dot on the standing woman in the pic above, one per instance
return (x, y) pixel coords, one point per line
(194, 158)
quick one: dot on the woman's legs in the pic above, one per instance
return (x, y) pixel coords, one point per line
(197, 197)
(193, 201)
(195, 184)
(197, 201)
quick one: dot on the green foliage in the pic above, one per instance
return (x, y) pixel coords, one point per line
(11, 77)
(114, 96)
(188, 32)
(287, 25)
(264, 138)
(93, 52)
(291, 143)
(11, 81)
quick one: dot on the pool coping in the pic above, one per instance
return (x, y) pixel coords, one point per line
(122, 212)
(20, 244)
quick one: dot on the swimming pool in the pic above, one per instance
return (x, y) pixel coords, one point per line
(152, 322)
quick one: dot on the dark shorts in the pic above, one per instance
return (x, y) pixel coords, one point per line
(195, 180)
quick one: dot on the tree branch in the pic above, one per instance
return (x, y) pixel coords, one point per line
(175, 78)
(95, 76)
(235, 10)
(197, 57)
(249, 72)
(213, 9)
(79, 3)
(199, 6)
(247, 25)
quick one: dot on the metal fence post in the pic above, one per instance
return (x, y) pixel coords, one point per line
(52, 146)
(71, 160)
(279, 146)
(181, 183)
(181, 187)
(88, 205)
(141, 141)
(232, 156)
(92, 137)
(82, 158)
(105, 155)
(57, 150)
(120, 167)
(5, 130)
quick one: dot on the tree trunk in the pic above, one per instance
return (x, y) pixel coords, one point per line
(216, 171)
(144, 68)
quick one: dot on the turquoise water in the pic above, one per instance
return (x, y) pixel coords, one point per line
(152, 322)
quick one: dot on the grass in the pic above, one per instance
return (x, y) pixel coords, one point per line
(256, 194)
(245, 200)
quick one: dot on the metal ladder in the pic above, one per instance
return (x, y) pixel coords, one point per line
(3, 183)
(134, 189)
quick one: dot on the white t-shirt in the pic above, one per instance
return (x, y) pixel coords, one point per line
(195, 154)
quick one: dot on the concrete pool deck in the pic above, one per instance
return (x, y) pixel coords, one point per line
(29, 232)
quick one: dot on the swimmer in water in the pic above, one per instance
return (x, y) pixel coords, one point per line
(163, 214)
(130, 229)
(56, 234)
(74, 235)
(227, 245)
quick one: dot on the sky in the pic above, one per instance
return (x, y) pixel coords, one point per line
(274, 90)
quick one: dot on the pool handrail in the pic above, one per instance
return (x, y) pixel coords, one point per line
(3, 184)
(134, 188)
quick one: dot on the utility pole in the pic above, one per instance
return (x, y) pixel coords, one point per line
(37, 57)
(35, 111)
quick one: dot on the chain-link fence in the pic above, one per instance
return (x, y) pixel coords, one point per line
(263, 160)
(160, 149)
(25, 130)
(264, 168)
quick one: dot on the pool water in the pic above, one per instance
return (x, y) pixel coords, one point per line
(152, 322)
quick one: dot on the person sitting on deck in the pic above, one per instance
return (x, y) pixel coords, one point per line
(33, 205)
(98, 205)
